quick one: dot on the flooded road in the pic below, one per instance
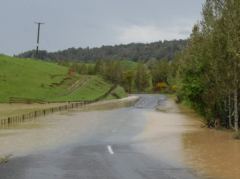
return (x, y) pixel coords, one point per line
(137, 142)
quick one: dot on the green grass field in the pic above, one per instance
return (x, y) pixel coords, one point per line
(118, 92)
(129, 65)
(36, 80)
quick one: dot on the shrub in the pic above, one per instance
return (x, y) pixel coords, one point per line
(236, 135)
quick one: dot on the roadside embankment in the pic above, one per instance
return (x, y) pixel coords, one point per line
(111, 104)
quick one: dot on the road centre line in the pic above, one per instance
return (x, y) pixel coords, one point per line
(110, 150)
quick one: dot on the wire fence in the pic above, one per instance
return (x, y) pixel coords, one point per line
(17, 119)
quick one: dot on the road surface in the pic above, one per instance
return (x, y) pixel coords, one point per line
(136, 142)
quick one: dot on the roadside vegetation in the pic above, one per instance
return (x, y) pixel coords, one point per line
(134, 77)
(207, 71)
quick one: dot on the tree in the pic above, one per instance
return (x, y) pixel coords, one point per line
(208, 69)
(143, 77)
(133, 51)
(159, 71)
(128, 80)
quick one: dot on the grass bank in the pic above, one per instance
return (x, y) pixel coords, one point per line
(29, 81)
(28, 85)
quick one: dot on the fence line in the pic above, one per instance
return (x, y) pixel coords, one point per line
(38, 113)
(43, 112)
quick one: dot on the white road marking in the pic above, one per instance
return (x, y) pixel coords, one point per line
(110, 150)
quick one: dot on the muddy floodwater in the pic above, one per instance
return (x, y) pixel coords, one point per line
(169, 133)
(213, 152)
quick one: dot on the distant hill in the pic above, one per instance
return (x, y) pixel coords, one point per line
(133, 52)
(27, 80)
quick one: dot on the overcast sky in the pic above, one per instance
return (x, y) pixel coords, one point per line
(82, 23)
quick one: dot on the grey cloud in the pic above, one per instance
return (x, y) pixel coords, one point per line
(92, 22)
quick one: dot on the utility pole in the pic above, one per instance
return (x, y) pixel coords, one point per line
(38, 37)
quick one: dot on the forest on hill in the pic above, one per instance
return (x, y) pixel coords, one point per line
(134, 52)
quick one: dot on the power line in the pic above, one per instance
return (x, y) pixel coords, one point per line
(38, 36)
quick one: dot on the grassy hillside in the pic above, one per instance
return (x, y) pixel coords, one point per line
(34, 80)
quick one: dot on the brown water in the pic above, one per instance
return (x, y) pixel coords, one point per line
(212, 152)
(171, 134)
